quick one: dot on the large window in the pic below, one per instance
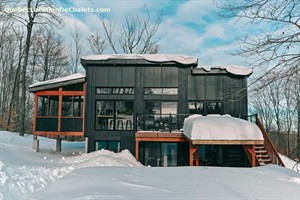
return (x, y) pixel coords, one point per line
(47, 106)
(108, 145)
(114, 115)
(159, 115)
(72, 106)
(205, 108)
(160, 154)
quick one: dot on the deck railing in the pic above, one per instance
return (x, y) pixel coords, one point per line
(269, 146)
(161, 122)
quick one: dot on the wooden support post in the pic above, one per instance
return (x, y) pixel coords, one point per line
(35, 108)
(59, 110)
(58, 144)
(192, 151)
(86, 145)
(197, 156)
(36, 144)
(253, 156)
(136, 149)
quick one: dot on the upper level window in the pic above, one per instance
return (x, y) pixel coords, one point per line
(114, 115)
(205, 108)
(122, 91)
(161, 91)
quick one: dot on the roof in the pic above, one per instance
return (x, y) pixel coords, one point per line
(221, 129)
(156, 58)
(232, 69)
(53, 83)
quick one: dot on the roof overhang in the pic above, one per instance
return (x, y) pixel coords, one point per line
(139, 59)
(58, 82)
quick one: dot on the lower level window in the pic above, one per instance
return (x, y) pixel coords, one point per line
(108, 145)
(160, 154)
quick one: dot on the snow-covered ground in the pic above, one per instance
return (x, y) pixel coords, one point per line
(73, 174)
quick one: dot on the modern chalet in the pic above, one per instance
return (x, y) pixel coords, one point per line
(164, 108)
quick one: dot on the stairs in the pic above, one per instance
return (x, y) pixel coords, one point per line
(262, 155)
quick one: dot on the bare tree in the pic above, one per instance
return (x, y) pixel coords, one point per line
(96, 43)
(34, 16)
(275, 46)
(138, 34)
(278, 43)
(77, 50)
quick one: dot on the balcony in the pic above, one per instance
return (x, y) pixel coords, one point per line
(161, 122)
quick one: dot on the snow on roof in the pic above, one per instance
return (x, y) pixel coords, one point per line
(58, 80)
(220, 127)
(233, 69)
(161, 58)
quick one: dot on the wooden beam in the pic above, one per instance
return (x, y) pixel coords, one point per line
(59, 110)
(55, 134)
(161, 139)
(60, 92)
(250, 150)
(137, 150)
(228, 142)
(191, 154)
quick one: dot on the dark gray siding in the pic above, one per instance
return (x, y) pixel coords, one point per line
(221, 87)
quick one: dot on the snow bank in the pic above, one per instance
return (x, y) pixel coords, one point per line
(23, 171)
(268, 182)
(58, 80)
(233, 69)
(217, 127)
(160, 58)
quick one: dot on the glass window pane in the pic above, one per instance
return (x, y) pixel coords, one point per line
(101, 145)
(113, 146)
(196, 108)
(169, 107)
(124, 115)
(53, 104)
(169, 154)
(170, 91)
(152, 107)
(42, 105)
(104, 115)
(77, 107)
(67, 106)
(153, 154)
(213, 108)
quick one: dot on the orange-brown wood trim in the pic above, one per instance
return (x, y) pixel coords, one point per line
(192, 150)
(161, 139)
(52, 134)
(137, 150)
(35, 111)
(59, 110)
(250, 150)
(60, 92)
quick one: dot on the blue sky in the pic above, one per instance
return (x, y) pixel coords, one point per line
(190, 27)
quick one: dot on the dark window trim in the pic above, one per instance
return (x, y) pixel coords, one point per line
(107, 141)
(112, 93)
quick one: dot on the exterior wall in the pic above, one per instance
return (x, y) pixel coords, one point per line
(222, 87)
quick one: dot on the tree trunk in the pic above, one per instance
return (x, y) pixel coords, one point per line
(23, 78)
